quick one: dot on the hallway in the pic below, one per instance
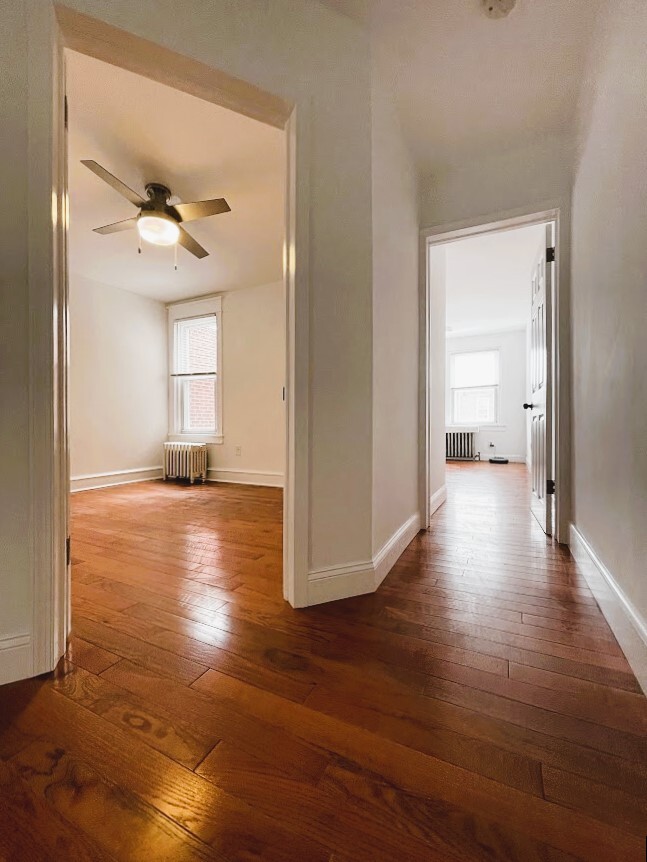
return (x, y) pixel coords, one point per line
(477, 707)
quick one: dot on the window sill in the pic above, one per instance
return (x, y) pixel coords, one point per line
(213, 439)
(494, 427)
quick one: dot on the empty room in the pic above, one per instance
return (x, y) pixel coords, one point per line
(177, 350)
(324, 489)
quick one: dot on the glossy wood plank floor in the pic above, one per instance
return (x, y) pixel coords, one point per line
(476, 708)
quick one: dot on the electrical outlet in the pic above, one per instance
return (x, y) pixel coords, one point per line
(239, 450)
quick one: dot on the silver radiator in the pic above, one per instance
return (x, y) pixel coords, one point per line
(459, 446)
(185, 461)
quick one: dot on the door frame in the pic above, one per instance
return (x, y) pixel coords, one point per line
(557, 212)
(51, 29)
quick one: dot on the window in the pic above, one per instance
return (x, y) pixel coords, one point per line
(195, 384)
(474, 388)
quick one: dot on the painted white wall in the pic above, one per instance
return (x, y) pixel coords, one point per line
(437, 304)
(118, 385)
(509, 435)
(395, 320)
(16, 595)
(531, 178)
(253, 376)
(609, 306)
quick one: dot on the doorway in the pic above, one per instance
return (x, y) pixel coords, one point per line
(48, 336)
(490, 358)
(177, 351)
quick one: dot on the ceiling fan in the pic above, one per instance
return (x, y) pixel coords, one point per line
(157, 221)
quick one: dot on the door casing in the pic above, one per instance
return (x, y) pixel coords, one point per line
(556, 212)
(51, 29)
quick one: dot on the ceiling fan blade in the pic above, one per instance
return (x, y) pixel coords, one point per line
(117, 226)
(191, 245)
(200, 209)
(116, 184)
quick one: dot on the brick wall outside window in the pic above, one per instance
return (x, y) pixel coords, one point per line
(200, 355)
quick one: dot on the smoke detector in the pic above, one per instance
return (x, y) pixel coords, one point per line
(498, 8)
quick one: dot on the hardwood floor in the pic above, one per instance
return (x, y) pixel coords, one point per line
(477, 707)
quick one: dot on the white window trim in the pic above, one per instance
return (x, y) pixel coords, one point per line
(497, 424)
(182, 311)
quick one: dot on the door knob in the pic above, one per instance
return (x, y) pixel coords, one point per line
(528, 406)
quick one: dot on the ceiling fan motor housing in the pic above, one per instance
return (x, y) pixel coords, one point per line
(157, 193)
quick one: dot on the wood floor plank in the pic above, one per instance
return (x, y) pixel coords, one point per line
(419, 773)
(114, 818)
(260, 738)
(169, 735)
(32, 830)
(89, 656)
(193, 812)
(312, 811)
(476, 708)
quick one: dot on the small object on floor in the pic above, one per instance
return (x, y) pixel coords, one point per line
(498, 459)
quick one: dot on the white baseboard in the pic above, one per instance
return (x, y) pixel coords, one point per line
(117, 477)
(340, 582)
(356, 579)
(245, 477)
(625, 621)
(16, 659)
(437, 499)
(393, 548)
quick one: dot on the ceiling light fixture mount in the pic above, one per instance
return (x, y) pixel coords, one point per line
(157, 221)
(155, 224)
(498, 8)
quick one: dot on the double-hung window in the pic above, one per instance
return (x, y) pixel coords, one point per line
(195, 373)
(474, 387)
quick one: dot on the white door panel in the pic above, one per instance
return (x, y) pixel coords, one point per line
(541, 456)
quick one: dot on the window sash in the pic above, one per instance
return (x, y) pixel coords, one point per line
(183, 401)
(182, 364)
(474, 369)
(207, 367)
(491, 393)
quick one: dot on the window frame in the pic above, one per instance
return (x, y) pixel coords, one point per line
(496, 423)
(188, 310)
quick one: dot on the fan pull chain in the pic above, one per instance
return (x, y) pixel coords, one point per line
(139, 243)
(175, 247)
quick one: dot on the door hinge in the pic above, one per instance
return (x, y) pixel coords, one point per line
(550, 255)
(65, 110)
(68, 550)
(550, 486)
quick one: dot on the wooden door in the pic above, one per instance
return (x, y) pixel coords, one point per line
(540, 406)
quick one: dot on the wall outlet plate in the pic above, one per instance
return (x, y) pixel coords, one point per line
(239, 450)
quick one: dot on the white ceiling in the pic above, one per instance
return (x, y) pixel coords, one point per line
(143, 131)
(488, 280)
(468, 85)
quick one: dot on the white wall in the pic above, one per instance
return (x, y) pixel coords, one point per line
(437, 316)
(395, 321)
(610, 307)
(118, 385)
(529, 178)
(509, 437)
(16, 595)
(286, 49)
(253, 375)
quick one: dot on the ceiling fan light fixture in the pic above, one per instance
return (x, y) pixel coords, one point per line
(158, 229)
